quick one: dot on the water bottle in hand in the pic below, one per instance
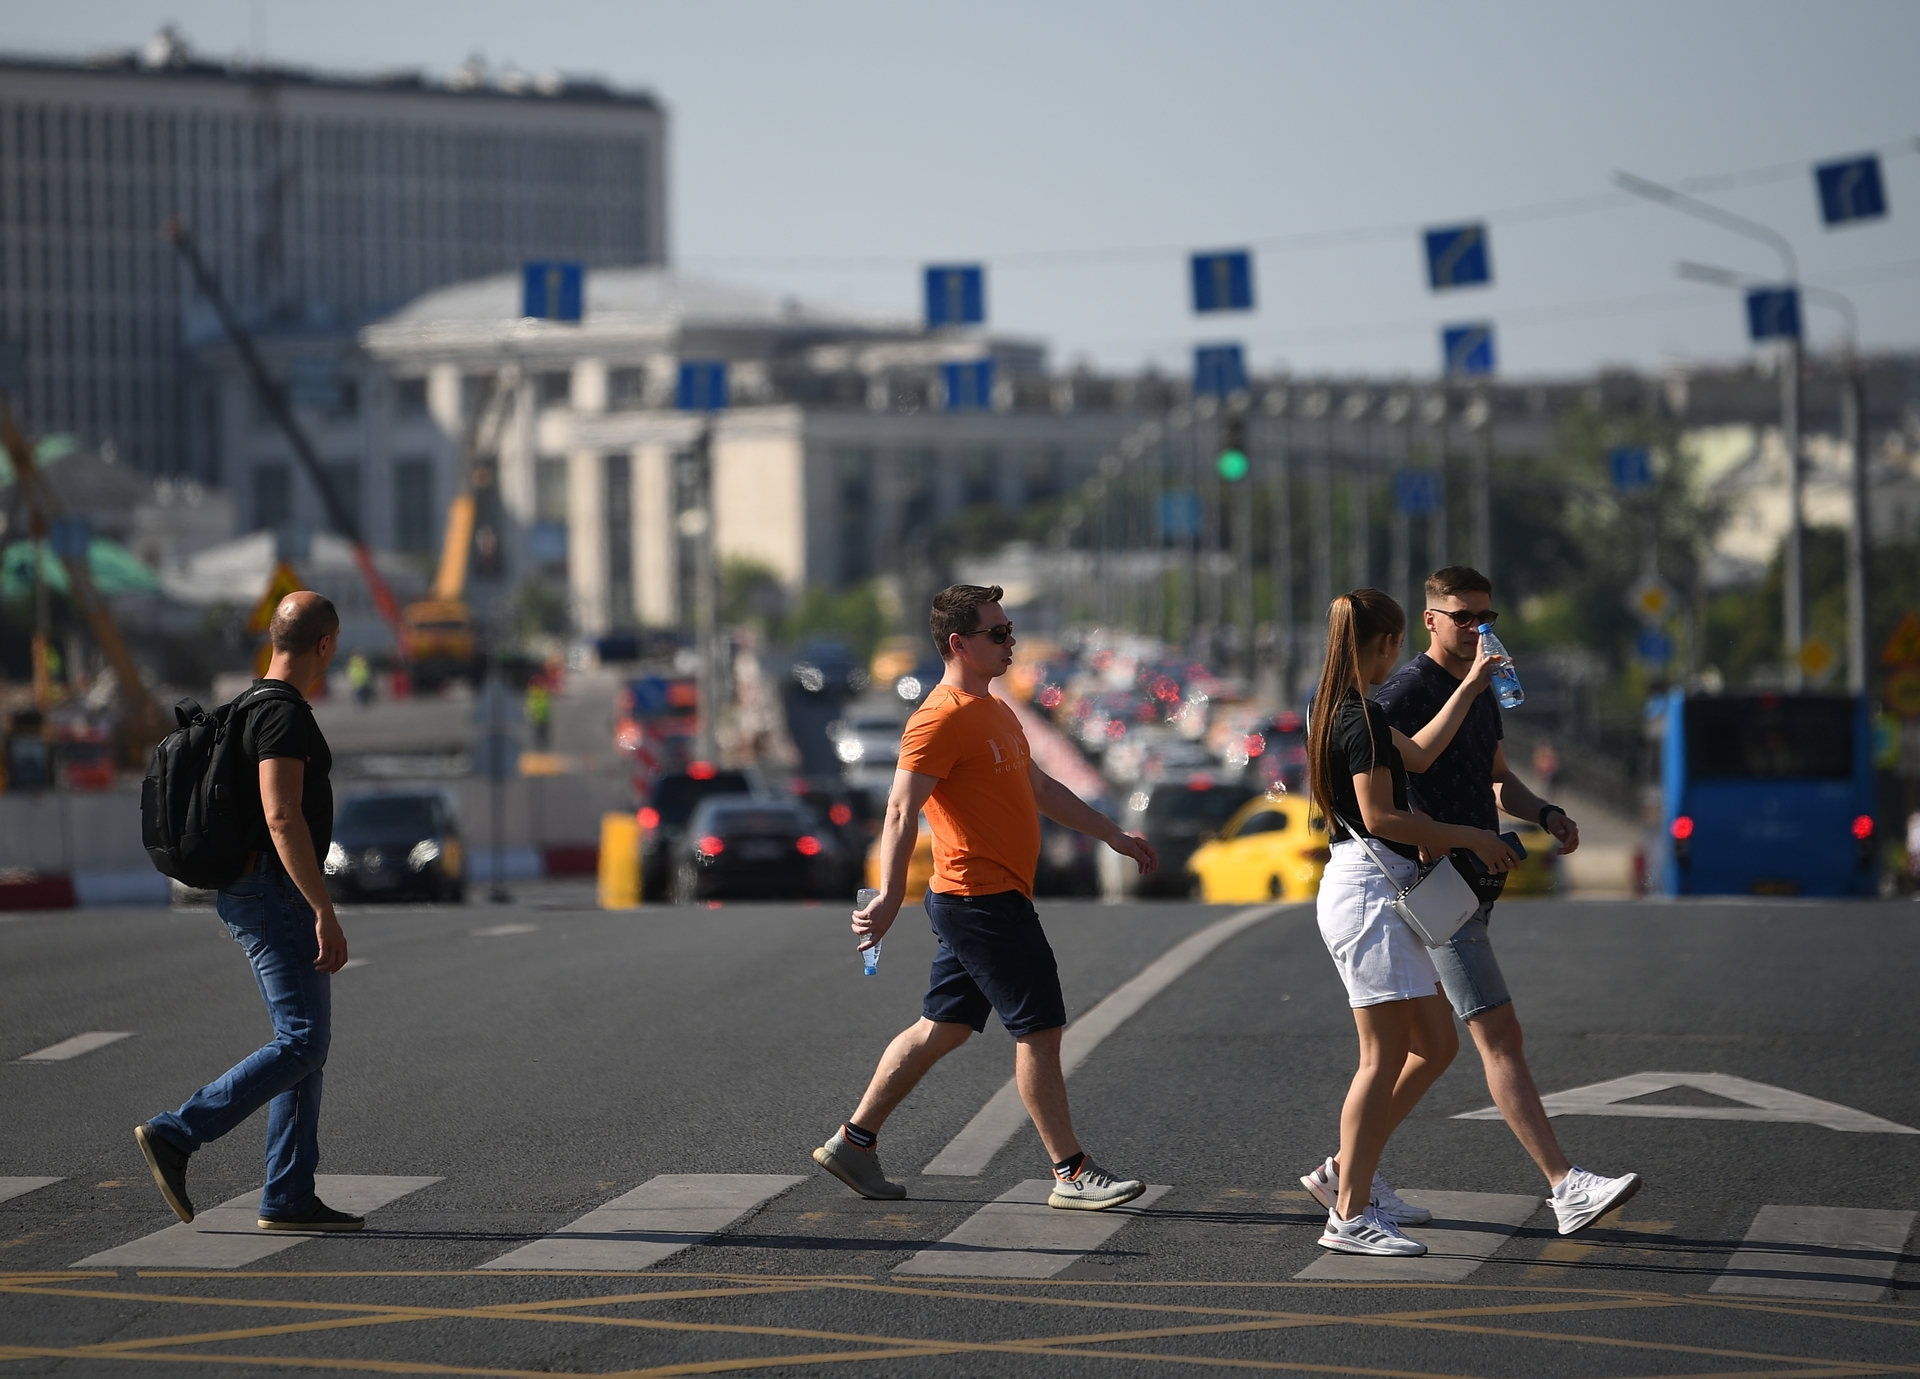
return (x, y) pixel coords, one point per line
(1506, 683)
(869, 957)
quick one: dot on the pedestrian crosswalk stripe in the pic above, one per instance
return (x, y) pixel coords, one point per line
(1760, 1101)
(1468, 1227)
(74, 1047)
(20, 1187)
(226, 1236)
(1845, 1254)
(661, 1217)
(969, 1152)
(1017, 1235)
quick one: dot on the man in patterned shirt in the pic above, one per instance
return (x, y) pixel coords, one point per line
(1470, 783)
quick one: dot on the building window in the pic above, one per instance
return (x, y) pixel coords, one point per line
(914, 486)
(550, 490)
(272, 497)
(853, 474)
(410, 397)
(413, 506)
(553, 389)
(979, 478)
(1042, 477)
(343, 477)
(626, 388)
(619, 511)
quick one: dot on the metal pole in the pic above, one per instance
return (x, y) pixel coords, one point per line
(1859, 532)
(1282, 559)
(1437, 408)
(1322, 477)
(1794, 576)
(706, 599)
(1401, 558)
(1243, 558)
(1483, 491)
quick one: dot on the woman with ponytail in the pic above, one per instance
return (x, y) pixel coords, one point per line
(1357, 767)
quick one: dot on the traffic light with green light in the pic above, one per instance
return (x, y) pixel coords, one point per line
(1232, 463)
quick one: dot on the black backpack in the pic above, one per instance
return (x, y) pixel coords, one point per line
(198, 805)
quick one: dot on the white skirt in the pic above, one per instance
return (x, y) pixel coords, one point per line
(1380, 958)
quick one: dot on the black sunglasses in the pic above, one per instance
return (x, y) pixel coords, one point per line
(998, 634)
(1466, 617)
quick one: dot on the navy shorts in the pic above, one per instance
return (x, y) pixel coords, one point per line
(993, 957)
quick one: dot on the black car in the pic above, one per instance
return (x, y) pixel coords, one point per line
(396, 846)
(850, 812)
(663, 818)
(1176, 816)
(746, 846)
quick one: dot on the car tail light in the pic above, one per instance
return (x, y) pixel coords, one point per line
(711, 846)
(702, 770)
(649, 818)
(1863, 841)
(1863, 827)
(1197, 782)
(841, 814)
(797, 786)
(1681, 828)
(809, 845)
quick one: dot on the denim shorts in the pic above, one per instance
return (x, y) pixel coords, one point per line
(1469, 972)
(993, 957)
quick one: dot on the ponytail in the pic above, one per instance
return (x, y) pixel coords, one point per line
(1353, 620)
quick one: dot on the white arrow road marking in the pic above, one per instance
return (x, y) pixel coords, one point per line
(661, 1217)
(20, 1187)
(1841, 1253)
(968, 1153)
(1017, 1235)
(74, 1047)
(1467, 1228)
(1761, 1102)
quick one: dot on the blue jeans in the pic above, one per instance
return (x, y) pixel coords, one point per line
(267, 916)
(1469, 972)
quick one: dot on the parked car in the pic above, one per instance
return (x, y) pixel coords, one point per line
(1176, 816)
(394, 846)
(1273, 848)
(850, 814)
(751, 846)
(670, 804)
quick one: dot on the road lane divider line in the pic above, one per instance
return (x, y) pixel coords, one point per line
(1467, 1228)
(20, 1187)
(1760, 1101)
(1017, 1235)
(226, 1236)
(663, 1216)
(968, 1153)
(1842, 1254)
(74, 1047)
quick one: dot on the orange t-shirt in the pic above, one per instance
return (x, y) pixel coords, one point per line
(986, 826)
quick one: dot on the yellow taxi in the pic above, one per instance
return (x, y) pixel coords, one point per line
(919, 867)
(1536, 873)
(1270, 849)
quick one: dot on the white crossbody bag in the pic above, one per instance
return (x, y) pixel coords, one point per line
(1435, 903)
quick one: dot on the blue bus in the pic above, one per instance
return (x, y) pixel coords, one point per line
(1766, 794)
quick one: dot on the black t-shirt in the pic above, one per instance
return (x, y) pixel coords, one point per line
(1362, 741)
(1458, 787)
(279, 728)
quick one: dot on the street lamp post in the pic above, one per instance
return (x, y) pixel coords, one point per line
(1793, 609)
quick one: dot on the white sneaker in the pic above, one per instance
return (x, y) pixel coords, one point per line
(1324, 1184)
(1583, 1197)
(1367, 1234)
(1092, 1188)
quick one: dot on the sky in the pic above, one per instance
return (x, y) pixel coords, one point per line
(1082, 150)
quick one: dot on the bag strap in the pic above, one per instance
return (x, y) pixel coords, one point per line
(1366, 841)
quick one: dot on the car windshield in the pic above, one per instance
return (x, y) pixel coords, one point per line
(676, 796)
(1212, 806)
(727, 820)
(411, 815)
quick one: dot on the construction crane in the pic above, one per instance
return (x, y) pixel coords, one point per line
(143, 724)
(275, 401)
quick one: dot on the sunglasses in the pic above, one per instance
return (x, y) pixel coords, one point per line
(998, 634)
(1466, 617)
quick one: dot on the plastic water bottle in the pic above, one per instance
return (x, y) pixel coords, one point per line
(869, 957)
(1506, 682)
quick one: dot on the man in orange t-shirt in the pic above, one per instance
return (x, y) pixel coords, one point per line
(964, 760)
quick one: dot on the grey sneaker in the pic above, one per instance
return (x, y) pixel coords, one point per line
(1324, 1185)
(858, 1168)
(169, 1168)
(1583, 1198)
(1092, 1188)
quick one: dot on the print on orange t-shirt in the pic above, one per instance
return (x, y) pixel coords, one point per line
(986, 826)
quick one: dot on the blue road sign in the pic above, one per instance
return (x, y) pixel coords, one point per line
(703, 385)
(1654, 647)
(1631, 467)
(1223, 281)
(1179, 514)
(956, 295)
(1851, 190)
(1218, 370)
(552, 290)
(70, 537)
(1416, 492)
(1467, 351)
(1457, 257)
(1773, 313)
(969, 386)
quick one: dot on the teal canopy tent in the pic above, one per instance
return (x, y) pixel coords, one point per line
(115, 569)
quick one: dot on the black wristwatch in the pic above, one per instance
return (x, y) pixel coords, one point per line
(1546, 809)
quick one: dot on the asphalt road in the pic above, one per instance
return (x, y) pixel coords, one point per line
(540, 1060)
